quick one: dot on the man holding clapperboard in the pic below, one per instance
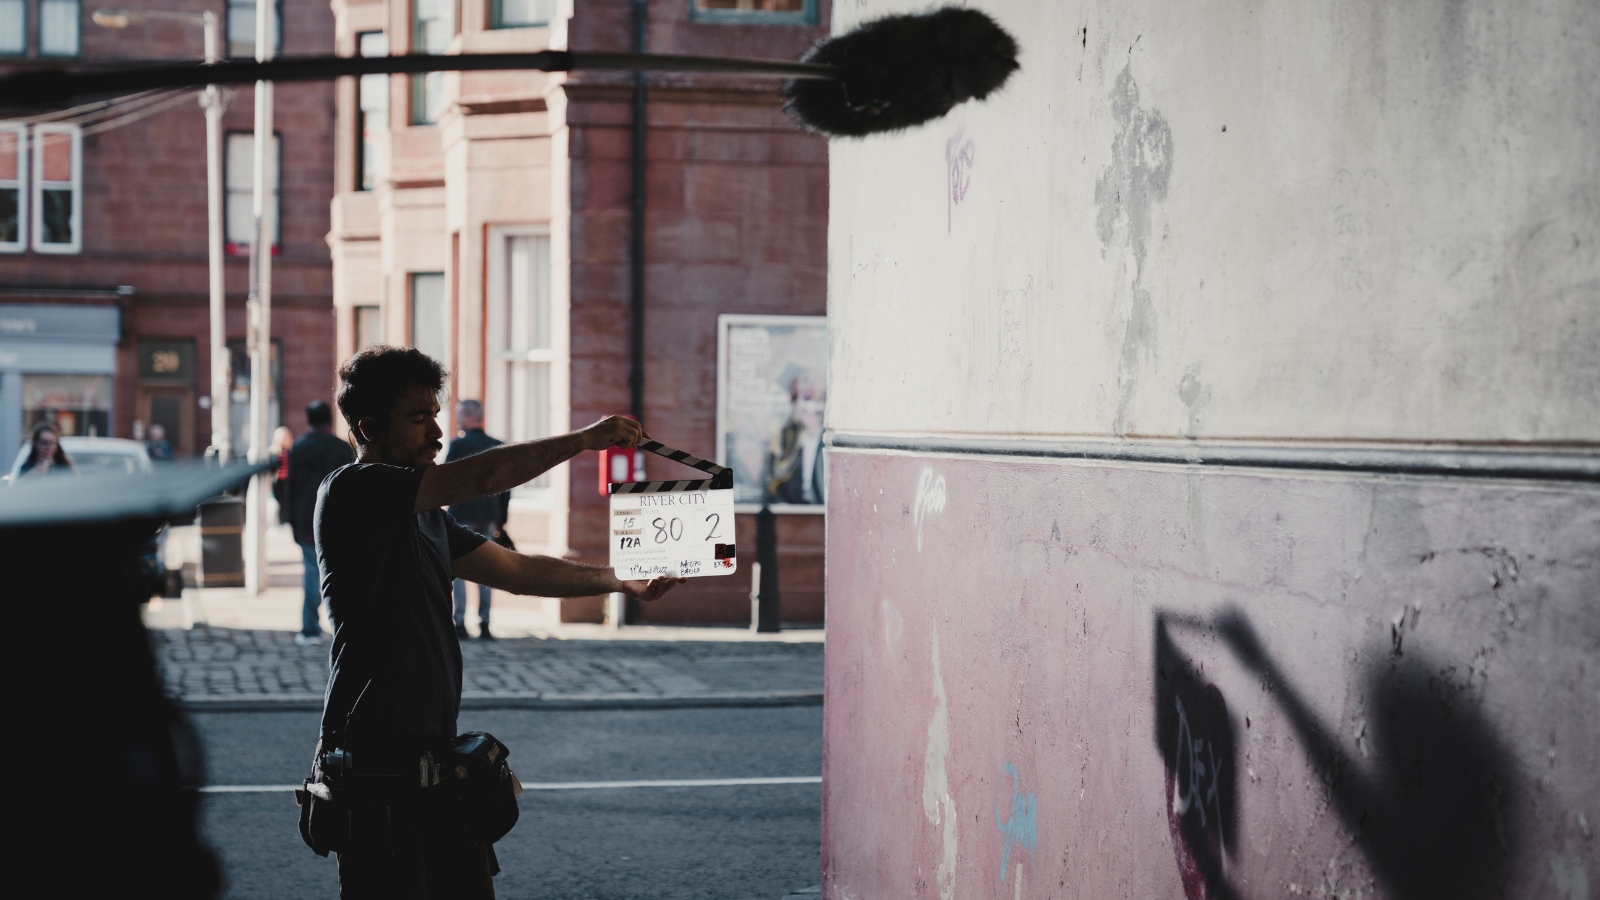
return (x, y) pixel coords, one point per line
(394, 791)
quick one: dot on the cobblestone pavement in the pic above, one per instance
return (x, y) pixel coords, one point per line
(209, 665)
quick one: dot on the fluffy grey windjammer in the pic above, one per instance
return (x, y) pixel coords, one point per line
(901, 71)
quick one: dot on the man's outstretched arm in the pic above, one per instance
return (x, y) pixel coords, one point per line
(544, 576)
(499, 469)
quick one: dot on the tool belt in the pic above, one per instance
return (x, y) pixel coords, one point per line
(466, 778)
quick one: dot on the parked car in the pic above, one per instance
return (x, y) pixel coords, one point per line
(104, 456)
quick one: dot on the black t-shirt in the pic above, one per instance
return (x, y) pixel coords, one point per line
(386, 573)
(313, 457)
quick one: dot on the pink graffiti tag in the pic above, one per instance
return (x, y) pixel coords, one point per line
(958, 157)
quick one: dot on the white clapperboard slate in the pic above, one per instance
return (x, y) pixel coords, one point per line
(674, 528)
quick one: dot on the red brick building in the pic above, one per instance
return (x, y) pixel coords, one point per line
(108, 226)
(736, 222)
(485, 218)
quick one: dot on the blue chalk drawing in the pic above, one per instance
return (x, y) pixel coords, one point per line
(1019, 828)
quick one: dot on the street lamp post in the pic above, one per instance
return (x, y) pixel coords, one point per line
(260, 314)
(221, 361)
(214, 101)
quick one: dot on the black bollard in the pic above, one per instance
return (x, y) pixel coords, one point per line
(766, 570)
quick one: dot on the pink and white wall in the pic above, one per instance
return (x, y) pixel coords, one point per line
(1214, 501)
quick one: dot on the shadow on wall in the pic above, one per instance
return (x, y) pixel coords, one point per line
(1429, 805)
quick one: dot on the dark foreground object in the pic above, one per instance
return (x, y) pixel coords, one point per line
(119, 761)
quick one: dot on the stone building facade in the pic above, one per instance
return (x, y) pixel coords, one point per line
(103, 235)
(484, 217)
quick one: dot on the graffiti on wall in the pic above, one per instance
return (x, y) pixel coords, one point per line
(930, 498)
(1019, 826)
(1196, 738)
(959, 152)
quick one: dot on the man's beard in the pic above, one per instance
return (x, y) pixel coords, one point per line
(389, 457)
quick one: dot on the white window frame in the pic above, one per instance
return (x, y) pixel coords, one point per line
(274, 192)
(444, 353)
(497, 16)
(20, 183)
(77, 29)
(806, 15)
(248, 51)
(376, 312)
(23, 30)
(497, 408)
(36, 202)
(372, 138)
(427, 88)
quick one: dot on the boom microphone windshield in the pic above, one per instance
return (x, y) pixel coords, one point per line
(886, 75)
(901, 71)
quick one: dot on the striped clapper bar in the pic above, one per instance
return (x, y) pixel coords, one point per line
(674, 528)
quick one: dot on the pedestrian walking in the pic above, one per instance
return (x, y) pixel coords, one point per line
(310, 459)
(389, 553)
(45, 456)
(485, 515)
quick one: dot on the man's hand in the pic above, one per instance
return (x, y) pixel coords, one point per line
(613, 431)
(650, 590)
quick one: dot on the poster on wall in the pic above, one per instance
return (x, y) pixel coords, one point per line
(771, 392)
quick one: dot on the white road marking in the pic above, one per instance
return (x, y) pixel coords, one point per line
(553, 785)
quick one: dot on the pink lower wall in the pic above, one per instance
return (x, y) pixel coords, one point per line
(1051, 679)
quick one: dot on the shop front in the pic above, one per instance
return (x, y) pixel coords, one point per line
(166, 397)
(56, 364)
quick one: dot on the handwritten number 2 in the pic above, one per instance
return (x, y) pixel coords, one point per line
(715, 520)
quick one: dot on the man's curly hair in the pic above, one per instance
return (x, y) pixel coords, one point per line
(372, 381)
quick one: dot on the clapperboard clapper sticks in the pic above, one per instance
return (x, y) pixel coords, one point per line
(681, 529)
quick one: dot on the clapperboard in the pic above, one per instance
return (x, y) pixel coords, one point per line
(673, 528)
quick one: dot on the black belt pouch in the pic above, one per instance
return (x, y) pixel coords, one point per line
(486, 798)
(324, 813)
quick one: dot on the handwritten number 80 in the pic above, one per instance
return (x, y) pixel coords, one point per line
(673, 529)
